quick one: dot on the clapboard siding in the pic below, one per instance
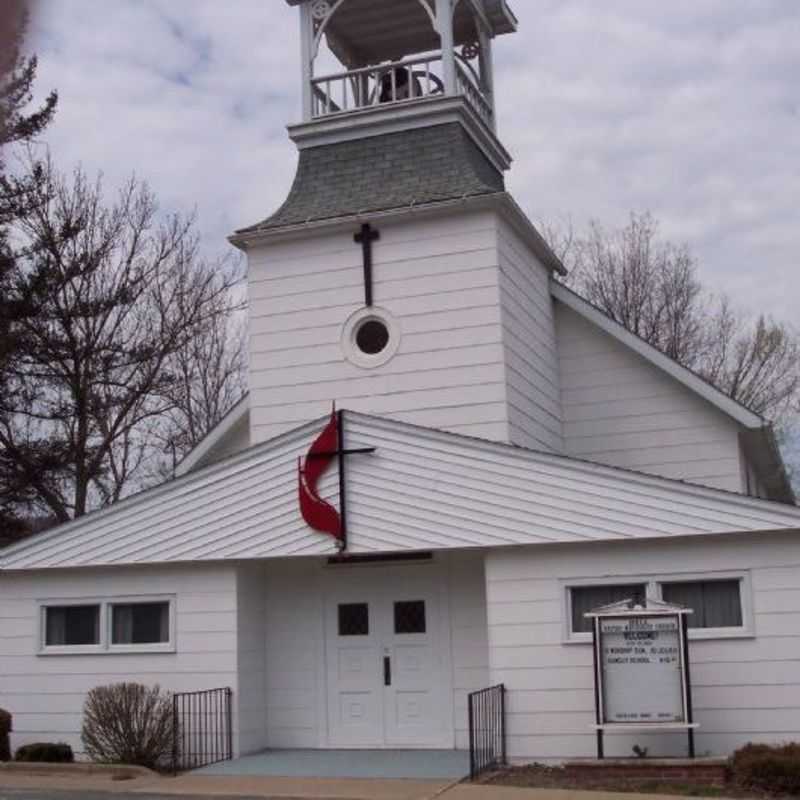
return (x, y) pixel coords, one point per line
(619, 409)
(295, 655)
(46, 693)
(745, 688)
(469, 636)
(420, 489)
(529, 338)
(438, 279)
(251, 661)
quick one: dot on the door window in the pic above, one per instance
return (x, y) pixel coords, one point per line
(353, 619)
(409, 617)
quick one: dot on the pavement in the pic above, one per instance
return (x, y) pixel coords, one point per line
(107, 786)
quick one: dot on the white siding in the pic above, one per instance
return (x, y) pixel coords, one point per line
(295, 655)
(236, 440)
(745, 689)
(46, 693)
(529, 341)
(439, 280)
(419, 490)
(469, 636)
(251, 660)
(621, 410)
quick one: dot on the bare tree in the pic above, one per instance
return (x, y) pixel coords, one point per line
(115, 294)
(210, 378)
(651, 287)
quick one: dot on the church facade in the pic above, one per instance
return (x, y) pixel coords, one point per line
(503, 458)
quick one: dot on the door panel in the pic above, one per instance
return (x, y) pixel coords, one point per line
(355, 697)
(387, 683)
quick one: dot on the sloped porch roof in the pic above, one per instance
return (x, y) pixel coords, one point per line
(422, 489)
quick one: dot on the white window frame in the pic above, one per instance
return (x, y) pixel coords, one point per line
(653, 585)
(66, 649)
(746, 630)
(154, 647)
(105, 646)
(568, 635)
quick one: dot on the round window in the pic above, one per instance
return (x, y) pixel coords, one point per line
(372, 336)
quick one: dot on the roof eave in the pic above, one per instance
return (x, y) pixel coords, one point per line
(744, 416)
(761, 448)
(501, 201)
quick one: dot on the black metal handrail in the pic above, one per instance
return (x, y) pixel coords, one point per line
(487, 729)
(202, 728)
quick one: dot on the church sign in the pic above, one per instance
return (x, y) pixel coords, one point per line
(641, 658)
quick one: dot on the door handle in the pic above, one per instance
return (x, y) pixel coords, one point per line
(387, 671)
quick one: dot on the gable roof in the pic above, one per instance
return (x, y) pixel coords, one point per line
(757, 440)
(422, 489)
(700, 386)
(235, 417)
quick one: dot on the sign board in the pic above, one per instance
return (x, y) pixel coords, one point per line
(642, 670)
(641, 659)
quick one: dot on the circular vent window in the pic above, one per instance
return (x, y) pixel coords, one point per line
(370, 337)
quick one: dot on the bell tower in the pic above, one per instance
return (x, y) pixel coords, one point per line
(399, 278)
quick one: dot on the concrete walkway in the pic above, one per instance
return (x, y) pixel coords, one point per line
(423, 765)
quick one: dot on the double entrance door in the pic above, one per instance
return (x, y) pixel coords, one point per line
(386, 648)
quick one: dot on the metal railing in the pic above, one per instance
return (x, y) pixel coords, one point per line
(487, 729)
(202, 728)
(396, 82)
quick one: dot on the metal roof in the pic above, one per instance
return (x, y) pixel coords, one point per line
(422, 489)
(379, 173)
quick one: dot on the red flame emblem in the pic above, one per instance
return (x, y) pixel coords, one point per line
(318, 513)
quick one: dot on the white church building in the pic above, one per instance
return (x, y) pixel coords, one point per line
(520, 459)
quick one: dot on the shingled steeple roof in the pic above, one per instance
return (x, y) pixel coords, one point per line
(385, 172)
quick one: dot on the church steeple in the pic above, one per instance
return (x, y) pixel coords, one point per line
(399, 278)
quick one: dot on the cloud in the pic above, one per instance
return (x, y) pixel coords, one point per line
(690, 109)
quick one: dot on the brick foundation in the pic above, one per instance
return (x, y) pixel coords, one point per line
(706, 771)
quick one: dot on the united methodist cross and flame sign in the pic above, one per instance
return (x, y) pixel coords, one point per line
(319, 514)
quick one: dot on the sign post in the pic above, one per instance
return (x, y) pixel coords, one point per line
(641, 669)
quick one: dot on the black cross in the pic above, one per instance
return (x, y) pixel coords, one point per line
(340, 452)
(365, 238)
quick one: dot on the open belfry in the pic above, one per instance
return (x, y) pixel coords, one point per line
(450, 473)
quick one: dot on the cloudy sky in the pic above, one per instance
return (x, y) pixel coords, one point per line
(690, 109)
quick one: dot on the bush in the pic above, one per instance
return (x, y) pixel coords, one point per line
(5, 729)
(769, 768)
(45, 752)
(127, 723)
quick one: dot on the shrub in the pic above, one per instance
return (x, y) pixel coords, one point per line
(127, 723)
(5, 729)
(45, 752)
(769, 768)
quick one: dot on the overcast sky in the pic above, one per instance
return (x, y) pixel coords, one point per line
(690, 109)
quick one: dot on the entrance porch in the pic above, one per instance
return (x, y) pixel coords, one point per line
(382, 764)
(364, 655)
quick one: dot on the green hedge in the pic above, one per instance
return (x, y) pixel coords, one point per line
(45, 752)
(5, 729)
(769, 768)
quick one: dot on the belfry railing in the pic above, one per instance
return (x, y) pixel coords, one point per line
(395, 82)
(487, 729)
(202, 728)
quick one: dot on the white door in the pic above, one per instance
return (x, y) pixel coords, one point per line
(386, 663)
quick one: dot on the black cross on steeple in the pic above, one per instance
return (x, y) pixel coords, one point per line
(365, 238)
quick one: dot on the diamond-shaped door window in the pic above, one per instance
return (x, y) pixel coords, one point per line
(409, 617)
(354, 619)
